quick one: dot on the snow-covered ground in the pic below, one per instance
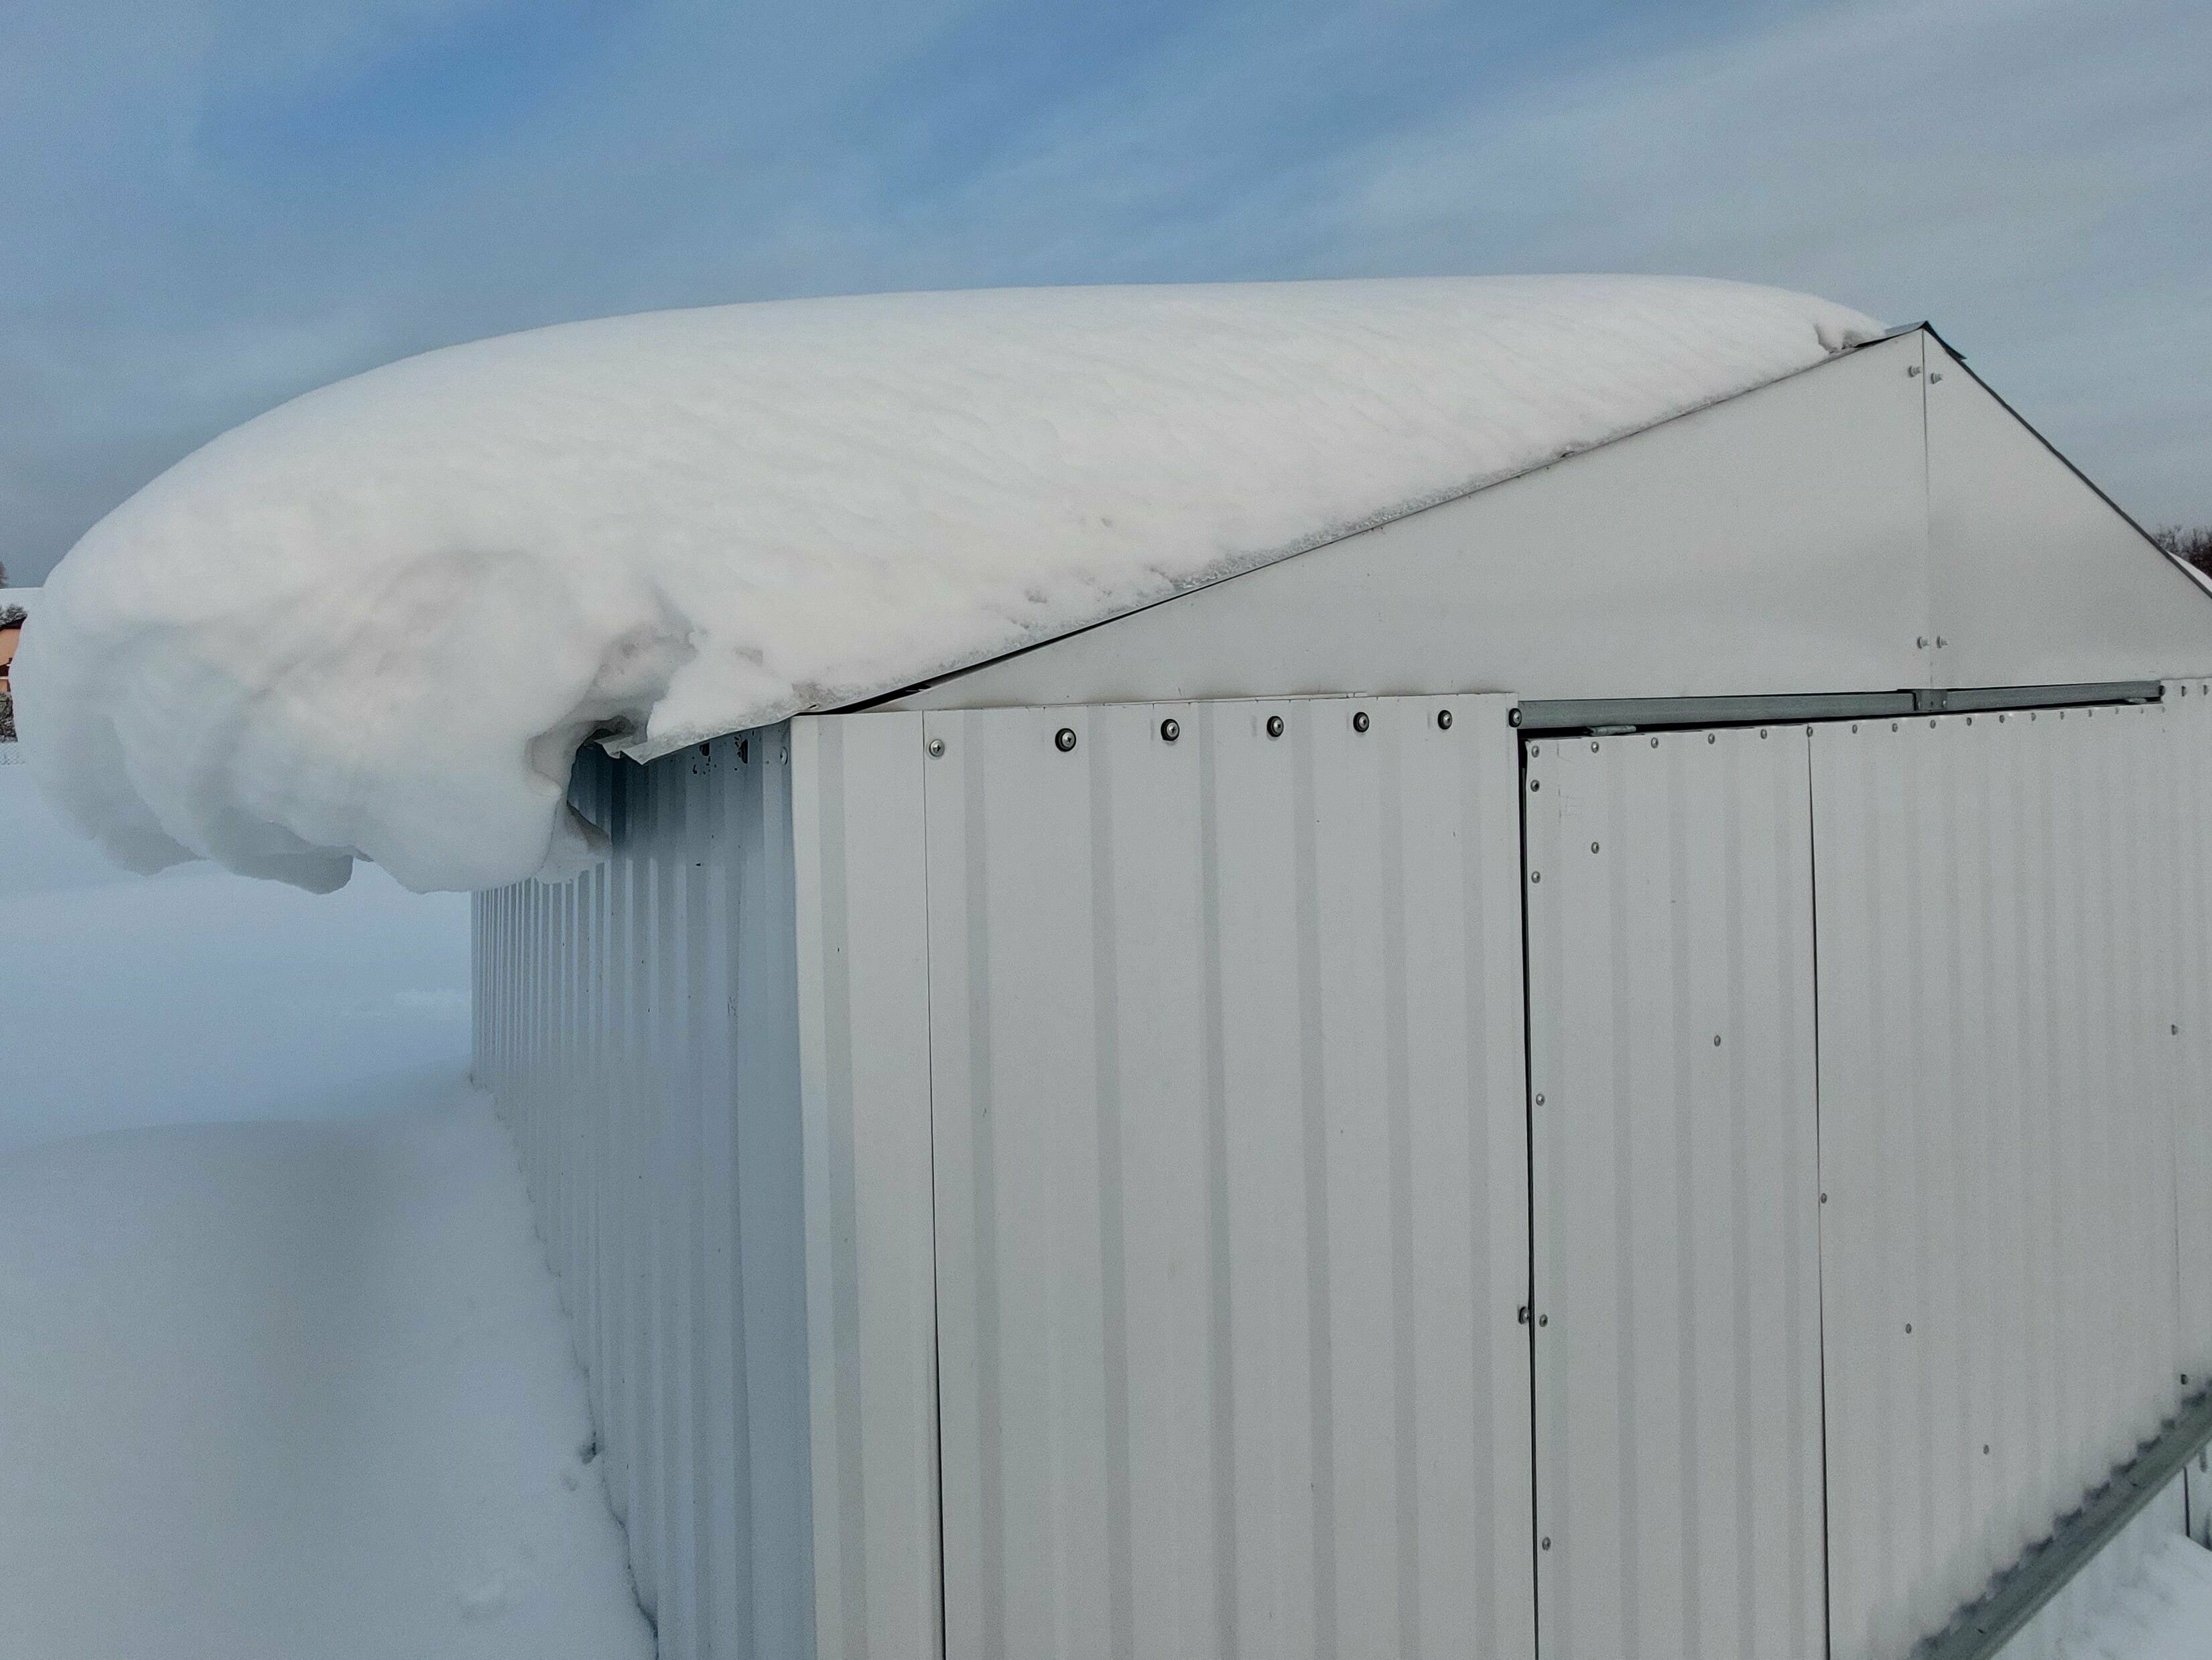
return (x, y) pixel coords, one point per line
(271, 1389)
(196, 995)
(2162, 1613)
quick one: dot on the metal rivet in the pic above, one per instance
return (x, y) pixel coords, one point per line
(937, 746)
(1535, 876)
(1535, 784)
(1969, 719)
(2001, 719)
(1931, 725)
(1547, 1542)
(1986, 1447)
(2031, 715)
(1593, 746)
(1535, 749)
(1824, 1198)
(1655, 743)
(1762, 732)
(1908, 1328)
(1524, 1314)
(1170, 730)
(1593, 847)
(1855, 726)
(1064, 739)
(1512, 717)
(1716, 1040)
(1922, 642)
(1443, 719)
(1710, 739)
(1274, 726)
(1359, 721)
(1940, 642)
(1893, 725)
(1539, 1097)
(1911, 370)
(1543, 1319)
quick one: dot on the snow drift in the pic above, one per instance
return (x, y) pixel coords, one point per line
(377, 623)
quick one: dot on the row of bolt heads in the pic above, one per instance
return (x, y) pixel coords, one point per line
(1170, 730)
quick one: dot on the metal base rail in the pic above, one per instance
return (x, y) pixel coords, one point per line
(1979, 1630)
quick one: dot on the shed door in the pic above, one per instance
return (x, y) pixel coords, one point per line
(1231, 1182)
(1677, 1272)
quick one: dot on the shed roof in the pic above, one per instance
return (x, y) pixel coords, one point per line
(380, 618)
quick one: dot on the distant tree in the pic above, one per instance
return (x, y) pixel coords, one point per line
(2193, 544)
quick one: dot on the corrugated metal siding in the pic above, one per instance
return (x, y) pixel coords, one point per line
(1231, 1217)
(1997, 940)
(639, 1028)
(1671, 1030)
(2185, 827)
(864, 1023)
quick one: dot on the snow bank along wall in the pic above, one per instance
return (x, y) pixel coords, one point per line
(1246, 1173)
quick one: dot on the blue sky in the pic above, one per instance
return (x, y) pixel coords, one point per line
(209, 205)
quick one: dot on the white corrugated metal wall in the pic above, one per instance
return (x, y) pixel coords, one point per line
(2016, 998)
(1997, 946)
(1677, 1258)
(1231, 1182)
(2185, 826)
(638, 1027)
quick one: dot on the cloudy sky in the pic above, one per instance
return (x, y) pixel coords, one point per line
(207, 206)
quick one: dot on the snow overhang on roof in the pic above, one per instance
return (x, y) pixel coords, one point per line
(378, 621)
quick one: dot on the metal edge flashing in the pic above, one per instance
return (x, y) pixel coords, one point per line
(1980, 1630)
(1637, 713)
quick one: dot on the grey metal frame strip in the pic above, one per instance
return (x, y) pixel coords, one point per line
(1981, 1629)
(1633, 714)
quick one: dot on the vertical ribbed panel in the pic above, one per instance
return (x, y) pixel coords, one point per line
(1671, 1033)
(1231, 1182)
(639, 1027)
(1997, 953)
(2185, 827)
(870, 1263)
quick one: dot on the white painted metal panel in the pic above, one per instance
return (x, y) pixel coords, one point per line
(864, 1021)
(2038, 581)
(2186, 828)
(1997, 1138)
(1671, 1031)
(638, 1026)
(1231, 1181)
(1777, 542)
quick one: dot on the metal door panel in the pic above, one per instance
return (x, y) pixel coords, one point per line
(1676, 1194)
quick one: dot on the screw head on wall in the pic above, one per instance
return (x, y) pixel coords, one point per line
(1170, 730)
(1512, 717)
(1359, 722)
(1274, 726)
(1443, 719)
(1064, 739)
(936, 746)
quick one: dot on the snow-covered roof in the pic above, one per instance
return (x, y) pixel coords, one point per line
(378, 621)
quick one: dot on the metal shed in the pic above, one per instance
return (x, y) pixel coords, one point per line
(1615, 1066)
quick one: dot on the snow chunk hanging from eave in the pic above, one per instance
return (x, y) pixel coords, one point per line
(377, 621)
